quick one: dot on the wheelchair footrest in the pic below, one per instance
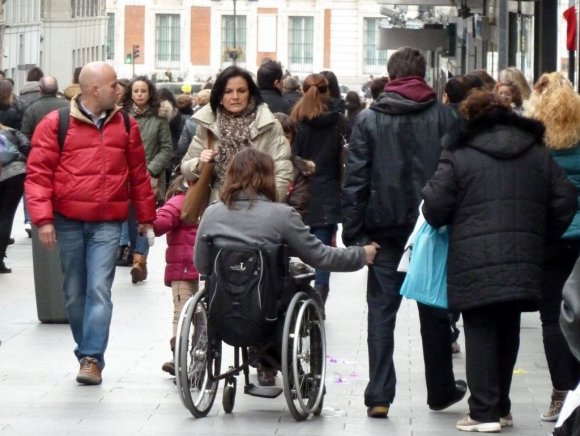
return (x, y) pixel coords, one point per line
(262, 391)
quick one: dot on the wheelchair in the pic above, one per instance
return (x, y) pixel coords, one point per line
(198, 352)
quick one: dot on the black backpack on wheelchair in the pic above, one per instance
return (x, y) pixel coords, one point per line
(246, 289)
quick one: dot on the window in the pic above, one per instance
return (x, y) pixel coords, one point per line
(374, 60)
(300, 44)
(167, 41)
(110, 36)
(233, 46)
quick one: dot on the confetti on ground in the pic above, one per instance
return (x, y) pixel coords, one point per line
(520, 371)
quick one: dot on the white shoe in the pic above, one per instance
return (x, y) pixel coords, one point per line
(28, 229)
(506, 421)
(468, 424)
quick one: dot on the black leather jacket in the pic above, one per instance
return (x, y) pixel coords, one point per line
(393, 151)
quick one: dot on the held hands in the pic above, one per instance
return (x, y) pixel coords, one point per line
(371, 252)
(147, 231)
(47, 236)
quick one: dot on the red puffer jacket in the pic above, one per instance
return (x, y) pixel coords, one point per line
(180, 240)
(89, 179)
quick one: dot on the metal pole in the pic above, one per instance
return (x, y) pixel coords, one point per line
(235, 36)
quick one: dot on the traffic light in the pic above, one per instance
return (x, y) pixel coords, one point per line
(129, 58)
(135, 51)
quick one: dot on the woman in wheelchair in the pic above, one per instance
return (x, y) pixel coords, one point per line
(249, 216)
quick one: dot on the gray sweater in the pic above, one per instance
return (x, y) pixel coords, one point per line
(267, 223)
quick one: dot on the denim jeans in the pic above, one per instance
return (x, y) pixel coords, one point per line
(88, 253)
(139, 243)
(324, 234)
(124, 234)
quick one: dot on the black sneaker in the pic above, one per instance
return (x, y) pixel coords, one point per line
(460, 391)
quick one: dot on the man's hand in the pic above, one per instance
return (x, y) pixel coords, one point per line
(47, 236)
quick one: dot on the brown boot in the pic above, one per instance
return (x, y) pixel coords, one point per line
(170, 365)
(139, 270)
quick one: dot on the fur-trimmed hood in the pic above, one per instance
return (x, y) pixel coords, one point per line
(167, 111)
(503, 135)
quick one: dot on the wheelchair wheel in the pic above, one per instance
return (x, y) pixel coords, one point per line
(303, 357)
(194, 356)
(229, 395)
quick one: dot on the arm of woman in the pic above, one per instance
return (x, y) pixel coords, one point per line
(280, 151)
(161, 160)
(190, 161)
(186, 137)
(315, 253)
(440, 193)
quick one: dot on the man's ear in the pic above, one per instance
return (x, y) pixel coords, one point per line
(279, 84)
(445, 99)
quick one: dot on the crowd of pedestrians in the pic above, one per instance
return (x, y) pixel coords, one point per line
(496, 162)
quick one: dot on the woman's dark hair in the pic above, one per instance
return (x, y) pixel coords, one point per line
(166, 95)
(315, 99)
(76, 74)
(219, 87)
(287, 123)
(127, 98)
(5, 93)
(378, 86)
(251, 171)
(406, 62)
(480, 103)
(333, 87)
(34, 74)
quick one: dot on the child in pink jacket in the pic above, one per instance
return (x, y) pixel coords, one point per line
(180, 273)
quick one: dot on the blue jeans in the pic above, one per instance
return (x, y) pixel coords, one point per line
(124, 234)
(324, 234)
(88, 252)
(139, 243)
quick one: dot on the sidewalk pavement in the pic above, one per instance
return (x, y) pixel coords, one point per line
(39, 395)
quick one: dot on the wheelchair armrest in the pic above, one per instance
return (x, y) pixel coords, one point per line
(300, 272)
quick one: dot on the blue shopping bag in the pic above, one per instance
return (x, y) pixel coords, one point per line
(426, 279)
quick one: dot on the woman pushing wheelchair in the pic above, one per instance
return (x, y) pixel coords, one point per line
(249, 216)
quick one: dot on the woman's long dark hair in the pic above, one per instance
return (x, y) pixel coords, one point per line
(251, 172)
(219, 87)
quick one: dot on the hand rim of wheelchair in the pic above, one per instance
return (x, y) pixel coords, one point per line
(208, 389)
(292, 325)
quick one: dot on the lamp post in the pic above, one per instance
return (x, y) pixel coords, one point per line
(234, 52)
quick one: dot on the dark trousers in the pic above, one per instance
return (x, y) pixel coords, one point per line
(11, 191)
(492, 341)
(325, 234)
(384, 299)
(564, 368)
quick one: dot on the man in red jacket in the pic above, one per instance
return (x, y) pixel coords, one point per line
(80, 195)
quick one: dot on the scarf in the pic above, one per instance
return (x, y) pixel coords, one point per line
(234, 134)
(138, 111)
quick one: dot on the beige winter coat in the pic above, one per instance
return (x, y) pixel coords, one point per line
(266, 135)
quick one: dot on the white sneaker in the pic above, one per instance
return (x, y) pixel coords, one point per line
(468, 424)
(28, 229)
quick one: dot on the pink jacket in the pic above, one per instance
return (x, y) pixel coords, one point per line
(180, 241)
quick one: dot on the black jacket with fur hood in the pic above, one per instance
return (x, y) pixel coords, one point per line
(503, 198)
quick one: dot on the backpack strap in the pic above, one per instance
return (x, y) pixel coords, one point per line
(64, 121)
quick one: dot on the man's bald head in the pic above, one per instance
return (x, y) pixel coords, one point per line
(94, 73)
(48, 85)
(99, 87)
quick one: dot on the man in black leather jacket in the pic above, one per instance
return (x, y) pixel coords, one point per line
(394, 150)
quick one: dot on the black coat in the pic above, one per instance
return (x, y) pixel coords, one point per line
(321, 140)
(503, 197)
(393, 150)
(273, 98)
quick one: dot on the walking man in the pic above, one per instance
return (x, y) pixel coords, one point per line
(79, 195)
(393, 152)
(47, 102)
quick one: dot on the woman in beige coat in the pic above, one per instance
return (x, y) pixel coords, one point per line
(235, 118)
